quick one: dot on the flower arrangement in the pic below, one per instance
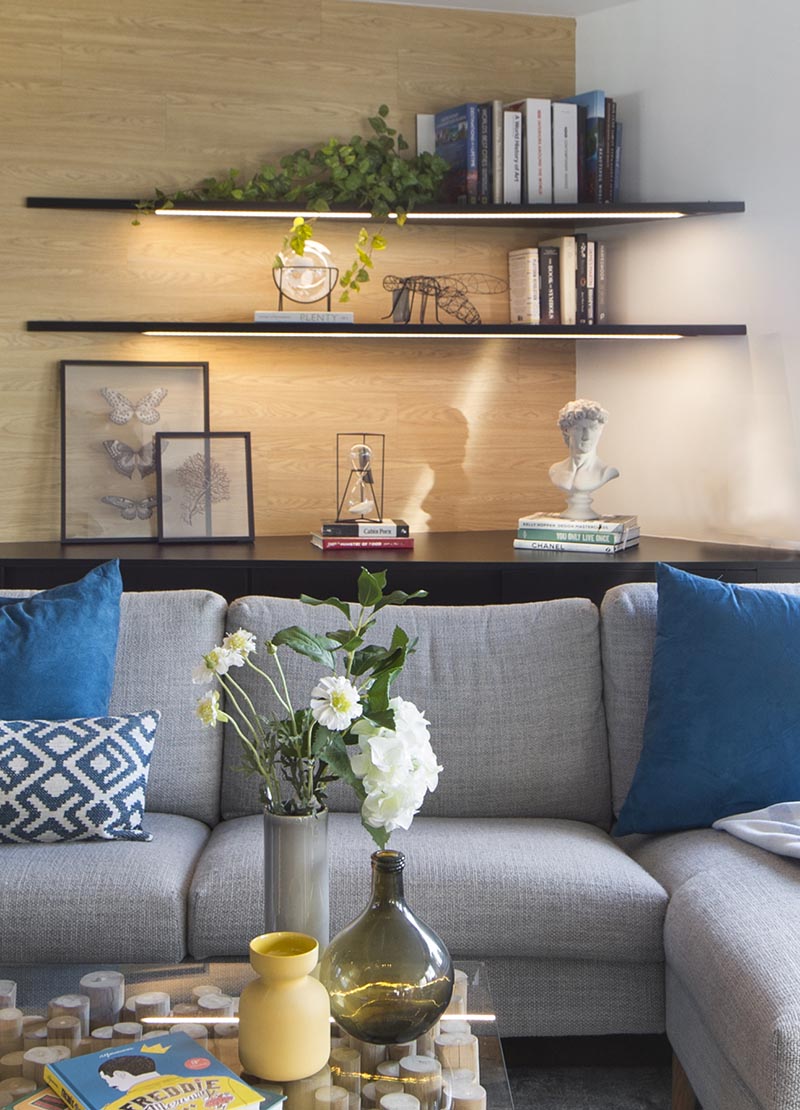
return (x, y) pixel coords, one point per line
(351, 728)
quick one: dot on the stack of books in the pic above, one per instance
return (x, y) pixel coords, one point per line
(532, 151)
(605, 536)
(353, 535)
(559, 281)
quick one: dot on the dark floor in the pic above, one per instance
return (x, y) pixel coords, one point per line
(589, 1073)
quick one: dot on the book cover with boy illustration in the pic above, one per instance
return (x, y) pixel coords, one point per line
(172, 1072)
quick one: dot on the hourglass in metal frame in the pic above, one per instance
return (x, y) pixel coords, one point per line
(359, 476)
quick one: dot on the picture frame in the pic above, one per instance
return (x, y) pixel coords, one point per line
(204, 487)
(110, 411)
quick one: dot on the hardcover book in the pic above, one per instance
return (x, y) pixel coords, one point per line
(170, 1072)
(512, 157)
(537, 146)
(485, 152)
(607, 523)
(362, 543)
(549, 294)
(386, 527)
(565, 153)
(594, 139)
(575, 535)
(264, 316)
(457, 143)
(582, 548)
(567, 274)
(523, 286)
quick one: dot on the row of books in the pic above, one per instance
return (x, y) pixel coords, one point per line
(560, 281)
(605, 535)
(531, 151)
(363, 535)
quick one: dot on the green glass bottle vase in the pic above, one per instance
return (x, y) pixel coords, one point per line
(388, 975)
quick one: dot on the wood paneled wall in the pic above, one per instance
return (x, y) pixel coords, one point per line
(101, 98)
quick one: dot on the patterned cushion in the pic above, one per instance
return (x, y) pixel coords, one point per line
(81, 779)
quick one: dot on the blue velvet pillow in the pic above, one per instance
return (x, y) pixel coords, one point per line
(58, 648)
(722, 733)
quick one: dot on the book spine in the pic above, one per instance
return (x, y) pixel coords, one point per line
(485, 153)
(581, 278)
(538, 152)
(56, 1084)
(290, 317)
(600, 293)
(590, 527)
(524, 286)
(359, 543)
(472, 153)
(550, 299)
(584, 548)
(569, 535)
(617, 158)
(565, 153)
(364, 528)
(590, 268)
(497, 151)
(512, 157)
(583, 180)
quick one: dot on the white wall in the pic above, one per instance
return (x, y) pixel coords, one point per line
(706, 433)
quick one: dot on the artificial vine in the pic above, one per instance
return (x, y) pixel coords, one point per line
(367, 174)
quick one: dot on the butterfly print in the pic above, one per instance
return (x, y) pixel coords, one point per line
(122, 410)
(127, 460)
(130, 509)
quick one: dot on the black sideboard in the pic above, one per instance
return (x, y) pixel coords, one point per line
(456, 568)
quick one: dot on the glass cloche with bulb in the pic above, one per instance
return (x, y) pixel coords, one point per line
(359, 476)
(305, 278)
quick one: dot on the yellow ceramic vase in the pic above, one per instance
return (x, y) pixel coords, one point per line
(284, 1015)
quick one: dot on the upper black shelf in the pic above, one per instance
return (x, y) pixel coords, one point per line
(247, 329)
(489, 215)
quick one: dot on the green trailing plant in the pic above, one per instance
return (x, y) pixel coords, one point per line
(364, 173)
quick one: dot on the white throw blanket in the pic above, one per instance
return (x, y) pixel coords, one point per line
(776, 828)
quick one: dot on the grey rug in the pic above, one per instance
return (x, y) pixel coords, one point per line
(590, 1073)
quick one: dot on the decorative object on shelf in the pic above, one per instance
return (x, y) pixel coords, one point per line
(365, 174)
(449, 292)
(581, 423)
(359, 458)
(305, 278)
(284, 1015)
(389, 976)
(108, 485)
(351, 729)
(204, 487)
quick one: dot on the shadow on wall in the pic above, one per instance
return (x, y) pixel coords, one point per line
(445, 501)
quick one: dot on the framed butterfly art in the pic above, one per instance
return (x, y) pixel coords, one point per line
(110, 414)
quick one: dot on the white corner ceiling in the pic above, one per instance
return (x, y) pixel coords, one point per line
(569, 8)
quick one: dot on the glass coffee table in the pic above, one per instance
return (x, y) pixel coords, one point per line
(70, 1009)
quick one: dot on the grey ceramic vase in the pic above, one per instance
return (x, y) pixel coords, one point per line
(388, 975)
(296, 875)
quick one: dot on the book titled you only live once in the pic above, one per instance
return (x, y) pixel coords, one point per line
(172, 1072)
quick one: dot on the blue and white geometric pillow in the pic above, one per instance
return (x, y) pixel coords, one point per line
(82, 779)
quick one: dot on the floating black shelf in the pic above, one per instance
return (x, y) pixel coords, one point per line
(236, 329)
(490, 215)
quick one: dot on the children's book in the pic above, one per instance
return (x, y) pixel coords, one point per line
(170, 1072)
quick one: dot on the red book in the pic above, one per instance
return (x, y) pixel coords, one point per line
(361, 543)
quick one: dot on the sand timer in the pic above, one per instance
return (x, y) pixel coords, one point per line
(359, 485)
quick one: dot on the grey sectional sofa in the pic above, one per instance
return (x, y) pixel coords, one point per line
(536, 714)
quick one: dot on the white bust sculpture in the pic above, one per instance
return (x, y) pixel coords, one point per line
(581, 423)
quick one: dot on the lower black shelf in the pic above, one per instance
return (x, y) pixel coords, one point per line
(248, 329)
(456, 568)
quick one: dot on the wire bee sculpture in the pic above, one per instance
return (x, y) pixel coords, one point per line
(449, 293)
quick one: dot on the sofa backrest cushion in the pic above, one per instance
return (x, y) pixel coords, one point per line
(162, 637)
(513, 694)
(627, 637)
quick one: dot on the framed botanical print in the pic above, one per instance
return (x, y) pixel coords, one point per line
(110, 413)
(204, 487)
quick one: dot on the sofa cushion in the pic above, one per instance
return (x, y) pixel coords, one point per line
(57, 648)
(627, 632)
(535, 888)
(733, 944)
(675, 858)
(82, 779)
(100, 901)
(720, 736)
(513, 694)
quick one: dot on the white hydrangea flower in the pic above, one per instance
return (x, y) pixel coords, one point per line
(208, 710)
(335, 702)
(241, 641)
(217, 662)
(397, 767)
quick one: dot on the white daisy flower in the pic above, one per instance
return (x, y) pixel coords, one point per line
(335, 702)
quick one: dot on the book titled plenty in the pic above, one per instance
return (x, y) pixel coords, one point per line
(172, 1072)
